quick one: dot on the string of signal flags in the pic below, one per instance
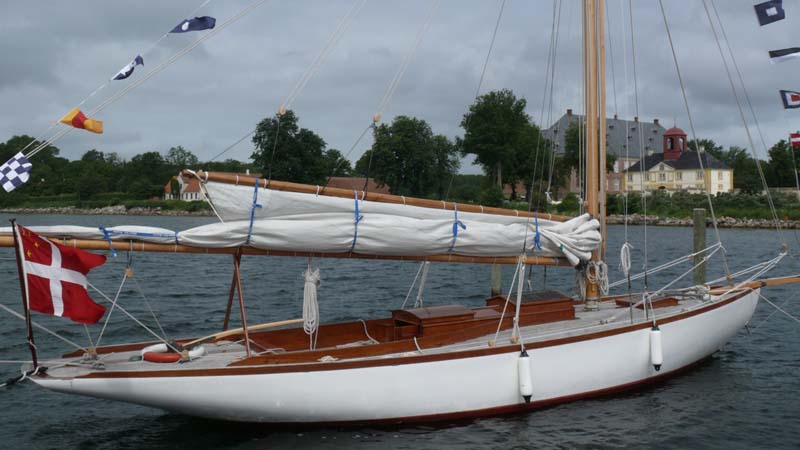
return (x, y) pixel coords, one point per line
(771, 12)
(77, 119)
(16, 171)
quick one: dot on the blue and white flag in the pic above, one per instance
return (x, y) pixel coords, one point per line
(768, 12)
(782, 55)
(126, 71)
(196, 24)
(15, 172)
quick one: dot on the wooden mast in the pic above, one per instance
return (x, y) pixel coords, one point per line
(594, 62)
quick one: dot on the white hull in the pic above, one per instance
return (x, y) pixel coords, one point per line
(467, 386)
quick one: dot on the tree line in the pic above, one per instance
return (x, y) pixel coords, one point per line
(406, 155)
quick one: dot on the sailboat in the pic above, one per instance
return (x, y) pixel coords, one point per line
(521, 351)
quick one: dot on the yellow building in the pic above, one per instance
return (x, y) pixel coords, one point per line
(679, 169)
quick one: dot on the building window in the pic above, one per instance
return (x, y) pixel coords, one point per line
(669, 143)
(719, 175)
(699, 174)
(630, 177)
(662, 177)
(719, 187)
(678, 175)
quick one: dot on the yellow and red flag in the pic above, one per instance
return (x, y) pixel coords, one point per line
(77, 119)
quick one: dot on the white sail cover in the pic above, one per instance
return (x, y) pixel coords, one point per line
(290, 221)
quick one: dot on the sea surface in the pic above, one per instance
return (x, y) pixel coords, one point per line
(747, 396)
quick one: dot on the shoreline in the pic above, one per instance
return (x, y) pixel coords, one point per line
(722, 222)
(118, 210)
(614, 219)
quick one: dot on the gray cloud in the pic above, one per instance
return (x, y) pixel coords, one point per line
(55, 55)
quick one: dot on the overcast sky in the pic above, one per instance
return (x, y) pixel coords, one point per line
(55, 53)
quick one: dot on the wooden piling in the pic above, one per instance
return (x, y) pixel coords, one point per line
(497, 280)
(699, 243)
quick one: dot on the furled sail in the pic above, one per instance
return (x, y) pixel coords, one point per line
(288, 221)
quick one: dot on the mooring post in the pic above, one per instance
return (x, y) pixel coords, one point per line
(699, 245)
(497, 280)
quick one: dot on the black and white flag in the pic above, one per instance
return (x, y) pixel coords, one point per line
(790, 99)
(778, 56)
(15, 172)
(126, 71)
(769, 12)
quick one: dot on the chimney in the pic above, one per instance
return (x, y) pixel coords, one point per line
(569, 112)
(655, 122)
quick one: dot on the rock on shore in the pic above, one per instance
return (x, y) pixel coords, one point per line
(722, 222)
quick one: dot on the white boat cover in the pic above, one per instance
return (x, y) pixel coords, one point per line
(289, 221)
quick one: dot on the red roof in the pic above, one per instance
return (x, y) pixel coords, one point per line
(168, 186)
(193, 185)
(357, 184)
(674, 131)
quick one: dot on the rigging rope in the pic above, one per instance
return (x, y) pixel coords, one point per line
(694, 134)
(642, 155)
(753, 113)
(105, 83)
(122, 92)
(132, 317)
(390, 90)
(480, 80)
(413, 283)
(43, 328)
(744, 123)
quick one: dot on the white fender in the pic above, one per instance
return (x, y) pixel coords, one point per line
(656, 351)
(197, 352)
(524, 374)
(155, 348)
(194, 353)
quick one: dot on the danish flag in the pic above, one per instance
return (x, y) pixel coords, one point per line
(794, 138)
(55, 278)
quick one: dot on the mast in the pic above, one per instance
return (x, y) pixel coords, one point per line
(594, 67)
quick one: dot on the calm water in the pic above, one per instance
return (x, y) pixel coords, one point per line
(746, 396)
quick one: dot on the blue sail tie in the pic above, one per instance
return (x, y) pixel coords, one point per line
(358, 218)
(108, 238)
(253, 208)
(456, 224)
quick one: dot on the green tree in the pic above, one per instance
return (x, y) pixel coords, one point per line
(781, 166)
(409, 158)
(492, 129)
(337, 165)
(181, 158)
(571, 158)
(709, 146)
(284, 151)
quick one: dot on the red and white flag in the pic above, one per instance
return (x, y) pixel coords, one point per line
(794, 138)
(55, 278)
